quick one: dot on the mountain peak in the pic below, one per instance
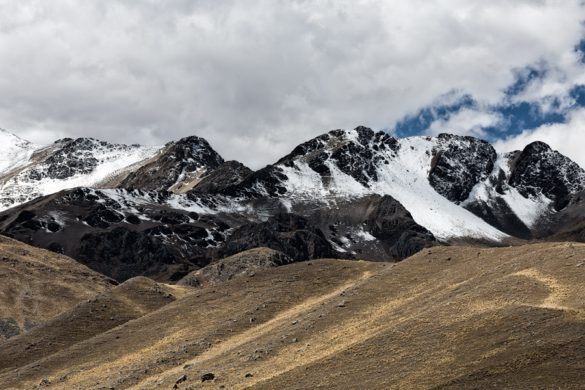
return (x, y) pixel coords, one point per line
(457, 137)
(14, 151)
(449, 183)
(539, 169)
(191, 139)
(178, 167)
(459, 163)
(537, 147)
(364, 132)
(9, 138)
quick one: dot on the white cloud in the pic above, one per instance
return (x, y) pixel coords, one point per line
(568, 138)
(256, 77)
(466, 121)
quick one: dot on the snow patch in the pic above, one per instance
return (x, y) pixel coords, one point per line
(405, 178)
(365, 236)
(303, 183)
(14, 151)
(528, 210)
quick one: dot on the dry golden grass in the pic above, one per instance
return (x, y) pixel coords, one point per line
(448, 317)
(36, 285)
(112, 308)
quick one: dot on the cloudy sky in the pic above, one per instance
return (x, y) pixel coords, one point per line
(256, 77)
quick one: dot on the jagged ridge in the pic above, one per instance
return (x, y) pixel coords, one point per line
(347, 194)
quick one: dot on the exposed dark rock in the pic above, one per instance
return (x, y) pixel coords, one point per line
(133, 219)
(267, 181)
(100, 216)
(167, 244)
(541, 170)
(171, 217)
(228, 174)
(53, 226)
(354, 155)
(123, 254)
(566, 225)
(108, 236)
(176, 167)
(8, 328)
(499, 215)
(290, 234)
(73, 157)
(56, 247)
(374, 227)
(357, 158)
(459, 163)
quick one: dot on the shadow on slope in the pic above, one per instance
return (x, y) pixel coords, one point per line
(448, 317)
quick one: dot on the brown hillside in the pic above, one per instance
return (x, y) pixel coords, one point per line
(130, 300)
(241, 264)
(36, 285)
(448, 317)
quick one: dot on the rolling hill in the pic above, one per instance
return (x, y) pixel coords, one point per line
(447, 317)
(36, 285)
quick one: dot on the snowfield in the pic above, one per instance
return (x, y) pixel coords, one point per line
(14, 151)
(405, 178)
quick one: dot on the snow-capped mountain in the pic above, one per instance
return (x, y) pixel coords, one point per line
(28, 171)
(15, 151)
(68, 163)
(165, 211)
(456, 187)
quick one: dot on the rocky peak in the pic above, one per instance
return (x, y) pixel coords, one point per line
(178, 167)
(63, 140)
(13, 150)
(194, 150)
(73, 157)
(354, 152)
(540, 170)
(228, 174)
(458, 164)
(537, 147)
(337, 139)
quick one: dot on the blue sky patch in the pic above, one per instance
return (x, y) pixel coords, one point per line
(517, 116)
(424, 118)
(581, 49)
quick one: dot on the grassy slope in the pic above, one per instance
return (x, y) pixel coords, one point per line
(36, 285)
(449, 317)
(128, 301)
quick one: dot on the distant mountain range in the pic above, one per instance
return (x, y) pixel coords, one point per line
(128, 210)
